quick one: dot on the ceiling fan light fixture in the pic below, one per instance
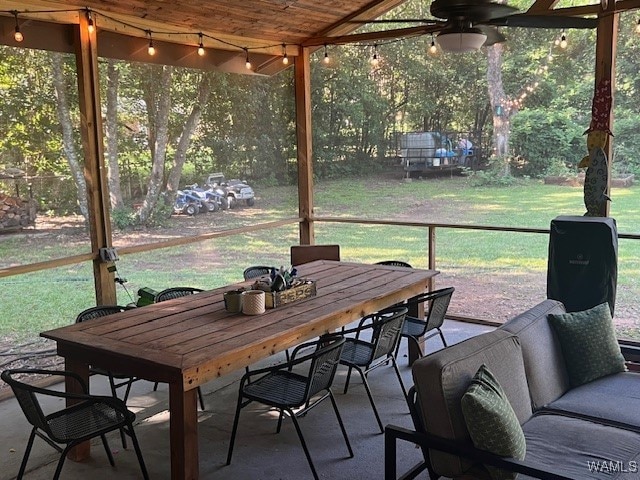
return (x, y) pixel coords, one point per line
(458, 42)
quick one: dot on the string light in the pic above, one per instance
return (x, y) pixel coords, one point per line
(200, 46)
(90, 25)
(563, 40)
(247, 63)
(326, 58)
(432, 48)
(374, 60)
(285, 59)
(151, 50)
(18, 34)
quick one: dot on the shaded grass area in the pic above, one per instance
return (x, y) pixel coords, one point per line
(496, 274)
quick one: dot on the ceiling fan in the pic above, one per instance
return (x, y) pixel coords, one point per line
(466, 25)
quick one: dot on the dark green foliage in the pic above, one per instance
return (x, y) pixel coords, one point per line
(544, 137)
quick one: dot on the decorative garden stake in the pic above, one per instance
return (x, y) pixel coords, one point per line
(596, 177)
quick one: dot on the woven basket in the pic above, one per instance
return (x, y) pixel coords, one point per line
(253, 302)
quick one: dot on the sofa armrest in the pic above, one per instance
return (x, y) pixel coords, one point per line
(393, 433)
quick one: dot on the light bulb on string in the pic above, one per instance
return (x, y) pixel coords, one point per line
(374, 60)
(247, 63)
(285, 58)
(90, 25)
(326, 58)
(432, 48)
(563, 40)
(151, 50)
(201, 51)
(17, 35)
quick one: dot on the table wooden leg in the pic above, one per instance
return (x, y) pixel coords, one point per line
(83, 450)
(183, 432)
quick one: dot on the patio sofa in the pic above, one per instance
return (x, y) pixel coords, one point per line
(581, 432)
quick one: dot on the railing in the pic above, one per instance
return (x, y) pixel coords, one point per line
(431, 246)
(633, 347)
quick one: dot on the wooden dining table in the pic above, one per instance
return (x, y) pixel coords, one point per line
(191, 340)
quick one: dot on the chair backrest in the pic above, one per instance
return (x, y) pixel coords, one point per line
(27, 398)
(255, 272)
(175, 292)
(301, 254)
(394, 263)
(386, 330)
(439, 304)
(323, 366)
(99, 311)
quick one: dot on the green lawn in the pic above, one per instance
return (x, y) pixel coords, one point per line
(509, 266)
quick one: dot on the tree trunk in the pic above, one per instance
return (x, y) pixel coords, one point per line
(499, 101)
(204, 90)
(68, 143)
(111, 130)
(157, 98)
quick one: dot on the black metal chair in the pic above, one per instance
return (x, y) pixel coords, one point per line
(102, 311)
(367, 355)
(175, 292)
(282, 388)
(116, 380)
(170, 294)
(394, 263)
(416, 328)
(255, 272)
(93, 416)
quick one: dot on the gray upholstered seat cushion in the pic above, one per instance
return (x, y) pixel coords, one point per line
(543, 359)
(614, 399)
(571, 447)
(442, 377)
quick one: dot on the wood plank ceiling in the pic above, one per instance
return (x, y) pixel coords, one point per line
(228, 26)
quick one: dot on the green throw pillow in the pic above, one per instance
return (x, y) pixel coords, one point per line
(588, 342)
(491, 421)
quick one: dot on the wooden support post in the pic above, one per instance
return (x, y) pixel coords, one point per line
(83, 450)
(305, 150)
(94, 167)
(183, 432)
(606, 46)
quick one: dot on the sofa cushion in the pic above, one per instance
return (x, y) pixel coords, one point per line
(578, 448)
(442, 377)
(543, 360)
(491, 421)
(589, 344)
(613, 400)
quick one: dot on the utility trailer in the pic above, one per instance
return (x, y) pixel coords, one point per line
(422, 152)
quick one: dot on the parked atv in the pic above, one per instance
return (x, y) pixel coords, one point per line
(209, 199)
(186, 203)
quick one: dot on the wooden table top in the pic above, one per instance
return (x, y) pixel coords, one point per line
(193, 339)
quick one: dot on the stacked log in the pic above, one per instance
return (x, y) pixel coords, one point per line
(16, 213)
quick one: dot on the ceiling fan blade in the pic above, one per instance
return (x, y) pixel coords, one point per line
(543, 21)
(399, 20)
(493, 35)
(475, 10)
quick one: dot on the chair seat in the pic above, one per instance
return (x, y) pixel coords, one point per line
(84, 420)
(413, 327)
(280, 388)
(356, 352)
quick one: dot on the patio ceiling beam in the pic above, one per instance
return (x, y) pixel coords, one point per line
(371, 36)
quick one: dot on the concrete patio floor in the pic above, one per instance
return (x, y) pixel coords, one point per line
(259, 452)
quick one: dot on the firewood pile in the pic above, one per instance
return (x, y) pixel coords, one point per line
(16, 213)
